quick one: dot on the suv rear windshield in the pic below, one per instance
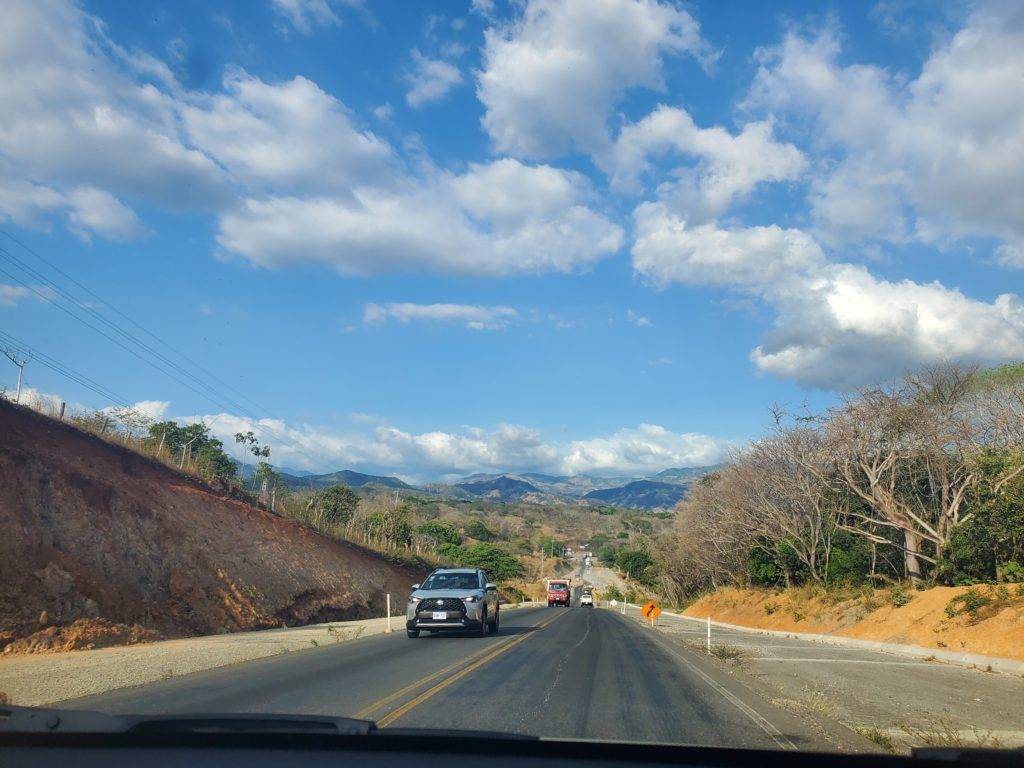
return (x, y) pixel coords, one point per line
(451, 581)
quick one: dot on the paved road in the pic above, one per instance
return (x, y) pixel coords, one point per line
(572, 673)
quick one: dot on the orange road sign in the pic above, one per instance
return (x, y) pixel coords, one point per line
(650, 610)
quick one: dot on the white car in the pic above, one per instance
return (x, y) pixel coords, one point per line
(587, 599)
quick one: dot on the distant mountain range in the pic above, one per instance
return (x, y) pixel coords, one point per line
(662, 490)
(503, 487)
(641, 494)
(344, 477)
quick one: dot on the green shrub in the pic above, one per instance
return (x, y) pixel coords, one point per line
(898, 597)
(477, 529)
(1011, 571)
(439, 533)
(970, 602)
(335, 504)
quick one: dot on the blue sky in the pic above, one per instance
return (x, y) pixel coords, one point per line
(579, 236)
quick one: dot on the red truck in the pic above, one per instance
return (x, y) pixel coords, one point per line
(558, 592)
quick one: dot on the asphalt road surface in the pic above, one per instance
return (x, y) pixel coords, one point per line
(557, 672)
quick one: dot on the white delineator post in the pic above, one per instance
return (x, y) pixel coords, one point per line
(709, 635)
(389, 613)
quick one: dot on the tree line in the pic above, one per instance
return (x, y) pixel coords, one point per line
(920, 480)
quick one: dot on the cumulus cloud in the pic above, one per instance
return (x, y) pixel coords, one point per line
(551, 78)
(76, 105)
(506, 448)
(471, 316)
(288, 136)
(645, 449)
(286, 168)
(937, 156)
(430, 80)
(93, 210)
(431, 223)
(836, 325)
(729, 166)
(668, 250)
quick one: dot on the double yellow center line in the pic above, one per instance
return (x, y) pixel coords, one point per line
(460, 669)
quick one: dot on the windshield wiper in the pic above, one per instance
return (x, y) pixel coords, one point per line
(38, 720)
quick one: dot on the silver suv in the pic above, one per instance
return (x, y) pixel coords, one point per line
(453, 599)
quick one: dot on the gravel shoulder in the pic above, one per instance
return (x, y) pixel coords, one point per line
(894, 700)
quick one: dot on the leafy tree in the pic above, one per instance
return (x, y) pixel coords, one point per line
(389, 526)
(982, 548)
(194, 443)
(439, 533)
(335, 504)
(477, 529)
(499, 564)
(635, 563)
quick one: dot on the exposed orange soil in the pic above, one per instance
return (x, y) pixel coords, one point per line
(995, 629)
(100, 545)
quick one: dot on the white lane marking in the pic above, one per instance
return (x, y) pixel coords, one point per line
(840, 661)
(777, 736)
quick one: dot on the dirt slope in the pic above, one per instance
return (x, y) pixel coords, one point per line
(941, 617)
(99, 545)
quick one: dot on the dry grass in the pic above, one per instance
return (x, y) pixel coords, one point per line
(881, 738)
(944, 734)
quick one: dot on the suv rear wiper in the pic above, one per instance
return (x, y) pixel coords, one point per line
(38, 720)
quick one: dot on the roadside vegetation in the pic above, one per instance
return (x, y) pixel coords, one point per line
(518, 543)
(903, 486)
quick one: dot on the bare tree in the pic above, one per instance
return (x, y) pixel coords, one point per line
(904, 450)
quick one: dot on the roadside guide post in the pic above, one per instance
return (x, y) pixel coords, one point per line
(709, 635)
(388, 629)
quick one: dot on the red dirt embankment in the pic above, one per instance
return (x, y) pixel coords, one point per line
(985, 619)
(100, 546)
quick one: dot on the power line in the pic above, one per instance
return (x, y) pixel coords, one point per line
(63, 370)
(211, 394)
(122, 315)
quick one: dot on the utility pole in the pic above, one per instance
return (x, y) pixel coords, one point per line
(21, 361)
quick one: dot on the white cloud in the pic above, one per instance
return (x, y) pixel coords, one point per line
(551, 78)
(430, 80)
(86, 210)
(429, 223)
(290, 136)
(506, 448)
(666, 250)
(637, 319)
(10, 295)
(845, 327)
(483, 7)
(93, 210)
(1010, 256)
(730, 166)
(76, 106)
(284, 166)
(648, 448)
(152, 409)
(306, 15)
(474, 317)
(837, 326)
(937, 156)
